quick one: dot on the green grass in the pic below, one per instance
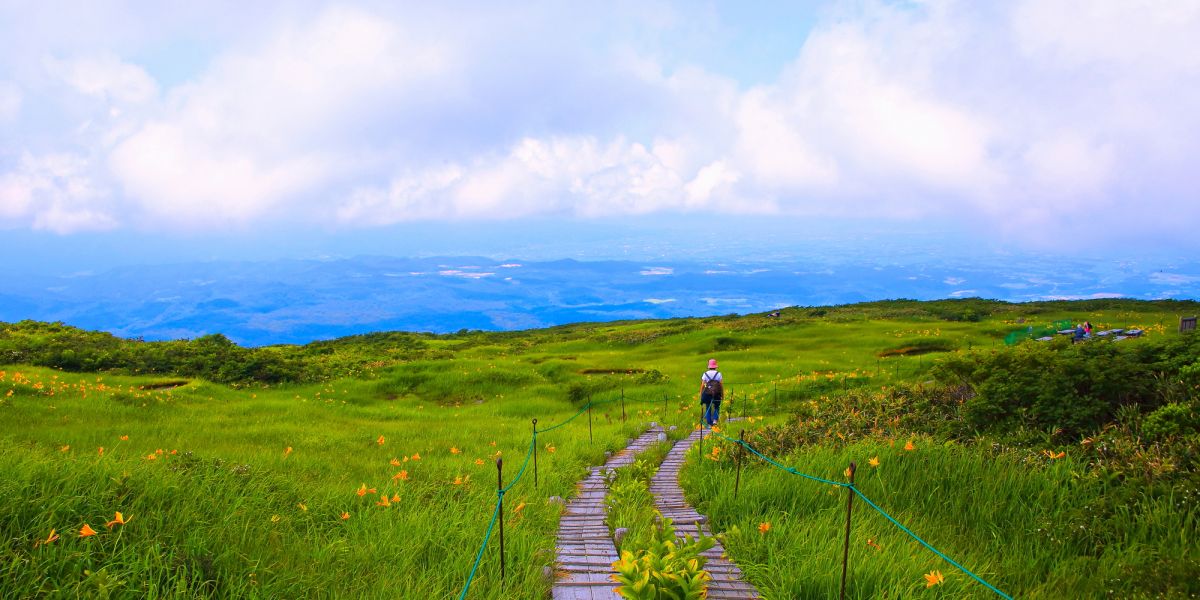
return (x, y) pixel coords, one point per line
(218, 513)
(1028, 524)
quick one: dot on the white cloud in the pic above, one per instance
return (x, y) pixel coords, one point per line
(54, 193)
(1021, 117)
(259, 133)
(562, 176)
(10, 101)
(106, 77)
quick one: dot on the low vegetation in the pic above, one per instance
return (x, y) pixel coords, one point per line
(366, 466)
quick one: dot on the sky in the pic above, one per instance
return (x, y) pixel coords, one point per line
(273, 128)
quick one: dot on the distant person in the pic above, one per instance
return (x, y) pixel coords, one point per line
(1079, 332)
(712, 391)
(1087, 329)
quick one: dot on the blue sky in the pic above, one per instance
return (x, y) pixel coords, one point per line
(311, 127)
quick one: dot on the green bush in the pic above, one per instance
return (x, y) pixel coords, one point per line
(1170, 421)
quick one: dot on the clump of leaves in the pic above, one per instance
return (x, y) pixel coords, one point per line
(667, 568)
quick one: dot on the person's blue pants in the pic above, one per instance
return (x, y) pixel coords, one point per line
(712, 412)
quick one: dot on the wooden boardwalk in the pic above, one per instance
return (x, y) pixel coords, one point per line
(727, 583)
(585, 550)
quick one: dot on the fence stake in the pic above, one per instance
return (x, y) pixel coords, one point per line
(849, 509)
(776, 393)
(622, 405)
(743, 404)
(664, 406)
(741, 457)
(589, 422)
(535, 454)
(499, 488)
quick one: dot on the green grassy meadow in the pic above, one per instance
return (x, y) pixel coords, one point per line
(376, 477)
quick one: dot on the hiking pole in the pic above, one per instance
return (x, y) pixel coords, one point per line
(849, 509)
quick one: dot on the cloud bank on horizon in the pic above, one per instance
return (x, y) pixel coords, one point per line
(1032, 118)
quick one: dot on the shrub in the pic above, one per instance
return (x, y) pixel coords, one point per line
(1170, 421)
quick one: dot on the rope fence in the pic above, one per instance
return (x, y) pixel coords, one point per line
(530, 455)
(858, 493)
(501, 490)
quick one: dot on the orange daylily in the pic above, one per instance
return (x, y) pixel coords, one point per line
(151, 456)
(86, 531)
(66, 448)
(345, 515)
(395, 462)
(124, 438)
(763, 528)
(287, 452)
(402, 476)
(847, 472)
(416, 456)
(459, 480)
(1053, 455)
(518, 508)
(454, 450)
(396, 497)
(550, 448)
(363, 490)
(383, 501)
(53, 537)
(874, 462)
(119, 519)
(479, 461)
(491, 443)
(909, 446)
(380, 440)
(933, 578)
(100, 451)
(872, 544)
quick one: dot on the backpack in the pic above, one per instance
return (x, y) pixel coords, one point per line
(713, 387)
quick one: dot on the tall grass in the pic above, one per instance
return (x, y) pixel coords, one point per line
(1021, 521)
(225, 510)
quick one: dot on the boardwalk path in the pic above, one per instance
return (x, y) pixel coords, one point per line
(726, 581)
(585, 549)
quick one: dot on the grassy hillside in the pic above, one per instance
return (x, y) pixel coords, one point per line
(239, 470)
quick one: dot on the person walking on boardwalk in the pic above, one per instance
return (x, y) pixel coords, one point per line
(712, 391)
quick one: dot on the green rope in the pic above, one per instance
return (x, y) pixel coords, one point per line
(553, 427)
(528, 454)
(876, 507)
(926, 544)
(788, 469)
(479, 555)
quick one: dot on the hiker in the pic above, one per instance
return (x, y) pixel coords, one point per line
(712, 391)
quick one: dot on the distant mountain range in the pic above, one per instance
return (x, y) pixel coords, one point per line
(297, 301)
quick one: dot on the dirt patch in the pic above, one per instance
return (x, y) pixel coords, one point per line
(163, 385)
